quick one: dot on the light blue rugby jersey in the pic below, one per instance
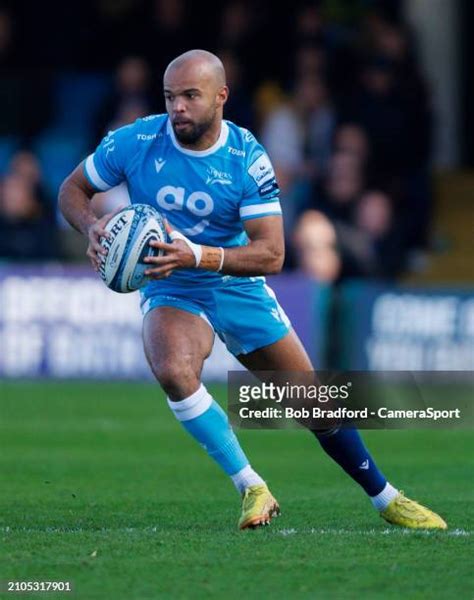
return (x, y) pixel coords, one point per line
(207, 195)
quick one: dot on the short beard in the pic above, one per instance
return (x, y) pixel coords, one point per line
(195, 132)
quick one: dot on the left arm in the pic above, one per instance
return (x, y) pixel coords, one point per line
(263, 255)
(265, 252)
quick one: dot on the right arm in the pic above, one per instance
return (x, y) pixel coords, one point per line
(100, 171)
(75, 196)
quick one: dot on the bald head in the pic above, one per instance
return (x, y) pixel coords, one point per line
(195, 93)
(202, 63)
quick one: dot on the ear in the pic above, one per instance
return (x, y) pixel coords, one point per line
(222, 95)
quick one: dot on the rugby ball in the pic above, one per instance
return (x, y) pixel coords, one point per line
(132, 229)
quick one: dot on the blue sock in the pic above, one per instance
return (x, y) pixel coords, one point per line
(345, 446)
(204, 419)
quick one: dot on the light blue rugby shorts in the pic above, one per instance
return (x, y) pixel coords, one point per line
(244, 312)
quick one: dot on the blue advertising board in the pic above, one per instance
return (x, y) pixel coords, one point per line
(407, 328)
(62, 322)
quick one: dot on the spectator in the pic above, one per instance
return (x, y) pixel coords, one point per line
(380, 109)
(132, 98)
(372, 245)
(314, 243)
(337, 194)
(25, 232)
(373, 214)
(25, 164)
(351, 138)
(268, 97)
(237, 33)
(310, 59)
(297, 136)
(396, 43)
(392, 101)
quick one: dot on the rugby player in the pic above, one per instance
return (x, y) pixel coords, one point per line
(216, 186)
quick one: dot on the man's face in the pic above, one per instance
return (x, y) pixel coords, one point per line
(192, 101)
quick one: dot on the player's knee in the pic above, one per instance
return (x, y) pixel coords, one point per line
(177, 378)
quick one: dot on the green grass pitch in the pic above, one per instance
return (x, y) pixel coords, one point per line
(99, 485)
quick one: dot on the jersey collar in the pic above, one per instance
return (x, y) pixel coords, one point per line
(221, 140)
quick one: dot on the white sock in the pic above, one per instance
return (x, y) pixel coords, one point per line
(193, 406)
(382, 500)
(245, 478)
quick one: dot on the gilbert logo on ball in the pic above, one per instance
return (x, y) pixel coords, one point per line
(132, 229)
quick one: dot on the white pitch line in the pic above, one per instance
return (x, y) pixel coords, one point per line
(283, 532)
(78, 529)
(453, 532)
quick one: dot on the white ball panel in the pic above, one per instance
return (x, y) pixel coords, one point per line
(132, 230)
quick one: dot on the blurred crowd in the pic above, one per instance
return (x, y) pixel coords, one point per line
(28, 228)
(332, 89)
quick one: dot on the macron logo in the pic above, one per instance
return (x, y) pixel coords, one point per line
(365, 465)
(159, 164)
(275, 314)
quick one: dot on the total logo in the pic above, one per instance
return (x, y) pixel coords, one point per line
(198, 203)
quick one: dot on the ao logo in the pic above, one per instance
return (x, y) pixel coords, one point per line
(200, 204)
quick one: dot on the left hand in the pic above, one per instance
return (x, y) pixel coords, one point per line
(177, 255)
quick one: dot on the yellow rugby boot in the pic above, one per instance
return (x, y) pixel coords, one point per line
(408, 513)
(258, 507)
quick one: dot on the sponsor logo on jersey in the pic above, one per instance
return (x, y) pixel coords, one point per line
(198, 203)
(146, 136)
(261, 170)
(269, 188)
(215, 176)
(235, 151)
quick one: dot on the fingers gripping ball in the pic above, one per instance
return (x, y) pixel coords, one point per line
(131, 231)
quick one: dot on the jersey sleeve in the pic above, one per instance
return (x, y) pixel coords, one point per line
(105, 168)
(260, 190)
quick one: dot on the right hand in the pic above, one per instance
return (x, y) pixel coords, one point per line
(96, 231)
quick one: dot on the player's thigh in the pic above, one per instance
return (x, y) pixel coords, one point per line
(287, 354)
(176, 343)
